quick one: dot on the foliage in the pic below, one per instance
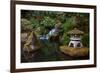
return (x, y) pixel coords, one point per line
(85, 40)
(69, 24)
(44, 21)
(48, 22)
(65, 39)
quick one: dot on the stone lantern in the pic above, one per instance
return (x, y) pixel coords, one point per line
(75, 38)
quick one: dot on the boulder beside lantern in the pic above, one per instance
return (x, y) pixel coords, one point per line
(75, 38)
(75, 42)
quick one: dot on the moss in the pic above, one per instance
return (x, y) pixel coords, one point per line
(26, 25)
(75, 52)
(32, 43)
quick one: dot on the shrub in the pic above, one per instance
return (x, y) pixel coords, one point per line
(65, 39)
(85, 40)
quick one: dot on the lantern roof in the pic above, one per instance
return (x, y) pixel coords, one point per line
(75, 31)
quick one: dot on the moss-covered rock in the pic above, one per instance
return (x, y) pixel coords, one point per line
(26, 25)
(75, 52)
(32, 43)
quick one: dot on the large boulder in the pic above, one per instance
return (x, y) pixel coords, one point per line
(75, 52)
(32, 43)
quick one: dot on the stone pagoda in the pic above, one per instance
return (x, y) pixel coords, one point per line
(75, 38)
